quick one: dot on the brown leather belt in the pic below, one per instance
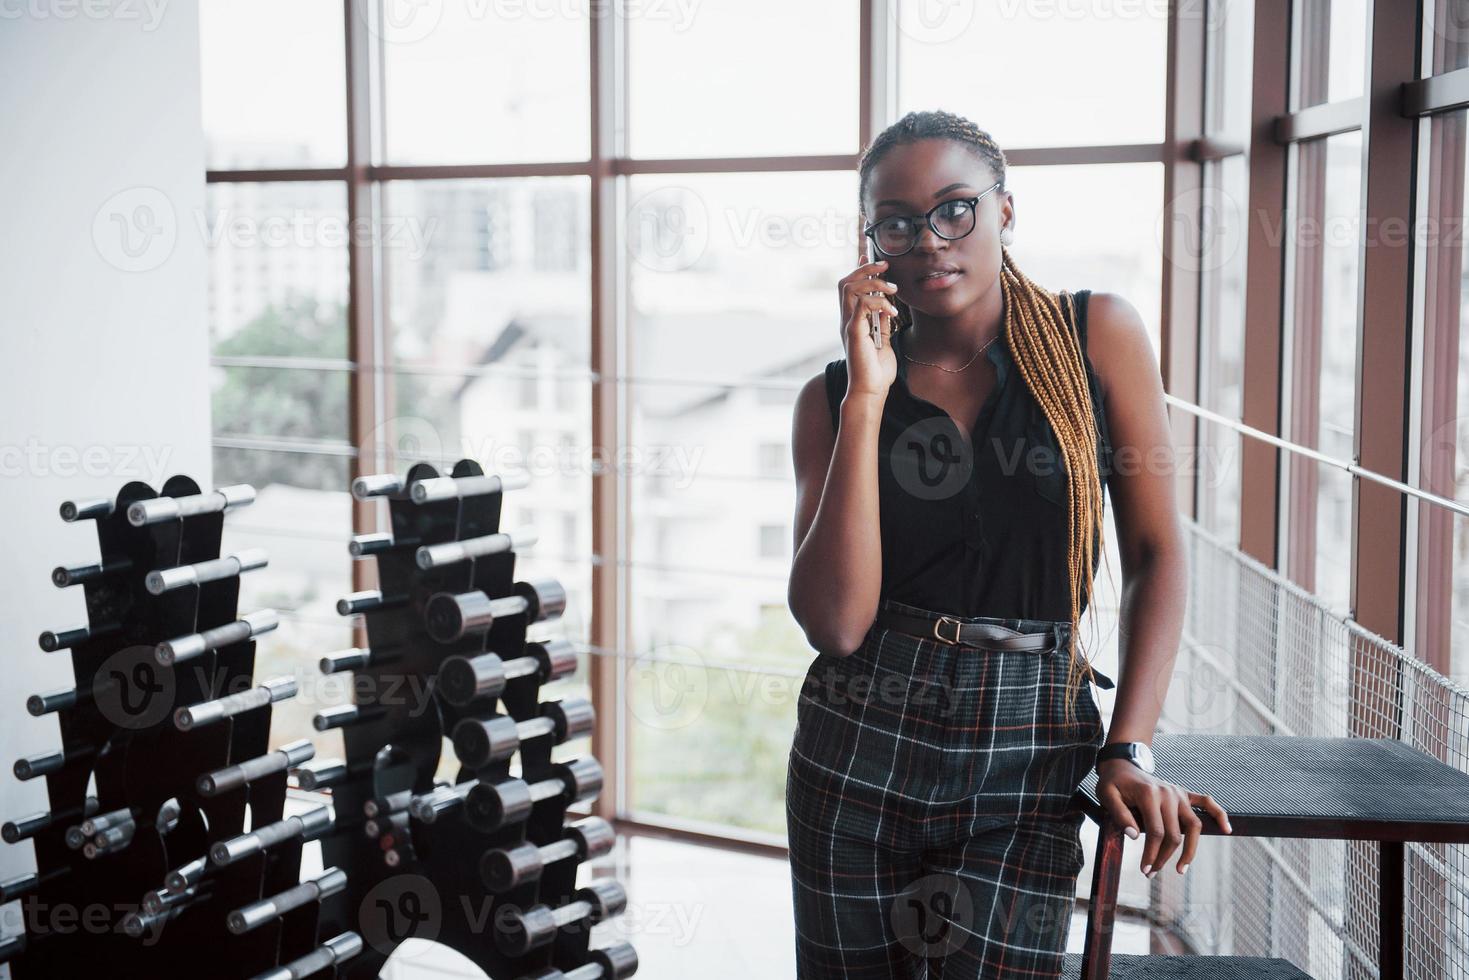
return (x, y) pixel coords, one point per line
(954, 632)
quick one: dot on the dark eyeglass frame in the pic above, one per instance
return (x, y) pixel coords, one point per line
(973, 202)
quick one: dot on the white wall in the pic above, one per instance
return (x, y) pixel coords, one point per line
(103, 342)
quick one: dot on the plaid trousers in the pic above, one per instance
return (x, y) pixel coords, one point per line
(929, 808)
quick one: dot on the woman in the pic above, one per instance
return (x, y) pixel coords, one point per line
(940, 546)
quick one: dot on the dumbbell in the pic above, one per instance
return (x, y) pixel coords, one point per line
(306, 827)
(385, 824)
(481, 741)
(321, 773)
(490, 806)
(448, 616)
(522, 930)
(441, 488)
(391, 803)
(90, 827)
(607, 963)
(432, 805)
(256, 914)
(505, 867)
(462, 679)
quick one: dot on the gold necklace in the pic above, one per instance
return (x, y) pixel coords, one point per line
(966, 363)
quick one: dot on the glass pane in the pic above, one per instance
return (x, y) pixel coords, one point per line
(486, 82)
(1332, 51)
(1323, 343)
(698, 688)
(718, 78)
(274, 83)
(489, 324)
(1448, 39)
(1096, 226)
(733, 307)
(1229, 70)
(277, 268)
(1038, 74)
(302, 517)
(1442, 579)
(489, 263)
(285, 403)
(1222, 342)
(262, 467)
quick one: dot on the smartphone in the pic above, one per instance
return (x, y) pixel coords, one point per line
(874, 318)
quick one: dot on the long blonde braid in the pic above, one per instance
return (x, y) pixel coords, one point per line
(1045, 348)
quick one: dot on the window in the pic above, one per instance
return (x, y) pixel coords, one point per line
(1322, 337)
(1332, 51)
(774, 542)
(1222, 242)
(732, 113)
(774, 459)
(288, 116)
(476, 304)
(1091, 74)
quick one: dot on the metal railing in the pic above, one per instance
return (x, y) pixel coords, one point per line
(1260, 655)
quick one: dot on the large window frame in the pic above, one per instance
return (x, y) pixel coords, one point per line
(1387, 115)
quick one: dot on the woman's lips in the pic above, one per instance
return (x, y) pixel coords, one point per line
(943, 281)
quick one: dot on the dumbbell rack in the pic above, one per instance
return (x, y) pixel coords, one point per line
(145, 785)
(422, 859)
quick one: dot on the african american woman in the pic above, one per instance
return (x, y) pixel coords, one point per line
(949, 507)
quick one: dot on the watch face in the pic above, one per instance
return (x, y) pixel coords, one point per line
(1143, 756)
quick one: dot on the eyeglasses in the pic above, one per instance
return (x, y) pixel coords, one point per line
(896, 235)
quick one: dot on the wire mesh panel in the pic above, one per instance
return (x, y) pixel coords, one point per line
(1262, 656)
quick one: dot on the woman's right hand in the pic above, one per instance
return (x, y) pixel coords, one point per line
(870, 370)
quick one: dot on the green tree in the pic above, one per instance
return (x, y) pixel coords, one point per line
(291, 403)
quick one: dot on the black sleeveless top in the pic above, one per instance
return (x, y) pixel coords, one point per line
(976, 530)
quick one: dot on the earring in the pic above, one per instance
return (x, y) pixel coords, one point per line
(1005, 235)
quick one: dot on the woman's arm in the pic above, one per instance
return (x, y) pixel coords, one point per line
(836, 573)
(1154, 573)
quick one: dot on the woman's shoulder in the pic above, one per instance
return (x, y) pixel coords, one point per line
(1115, 338)
(835, 377)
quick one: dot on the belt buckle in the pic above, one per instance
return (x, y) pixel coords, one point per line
(940, 636)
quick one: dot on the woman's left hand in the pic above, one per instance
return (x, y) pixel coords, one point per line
(1167, 811)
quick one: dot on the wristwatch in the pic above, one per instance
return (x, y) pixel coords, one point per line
(1138, 753)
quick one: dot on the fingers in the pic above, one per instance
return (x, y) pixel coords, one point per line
(861, 282)
(1170, 798)
(871, 303)
(1118, 810)
(1213, 809)
(1192, 826)
(879, 302)
(1151, 806)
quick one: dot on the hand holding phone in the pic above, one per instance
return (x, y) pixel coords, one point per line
(874, 317)
(868, 315)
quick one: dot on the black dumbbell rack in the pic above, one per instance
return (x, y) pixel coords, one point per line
(163, 753)
(488, 865)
